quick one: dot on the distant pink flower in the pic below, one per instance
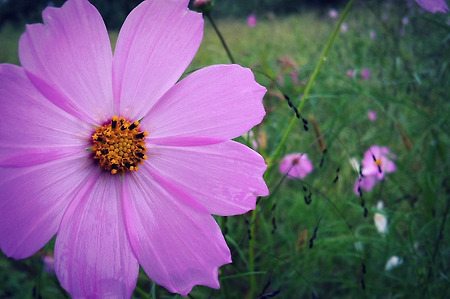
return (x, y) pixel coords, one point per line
(333, 13)
(372, 115)
(365, 73)
(372, 34)
(296, 165)
(405, 21)
(377, 162)
(344, 27)
(351, 73)
(294, 77)
(49, 264)
(116, 157)
(433, 6)
(251, 20)
(201, 3)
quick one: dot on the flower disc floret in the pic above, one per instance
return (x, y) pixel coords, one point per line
(119, 146)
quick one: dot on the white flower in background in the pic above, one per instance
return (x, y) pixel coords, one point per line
(393, 262)
(381, 223)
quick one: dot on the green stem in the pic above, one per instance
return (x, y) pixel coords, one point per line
(322, 59)
(224, 44)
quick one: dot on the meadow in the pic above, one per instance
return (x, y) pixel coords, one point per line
(316, 237)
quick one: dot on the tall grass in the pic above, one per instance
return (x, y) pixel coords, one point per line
(408, 89)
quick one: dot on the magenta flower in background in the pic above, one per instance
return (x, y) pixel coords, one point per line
(372, 34)
(372, 115)
(333, 13)
(377, 162)
(119, 160)
(251, 20)
(365, 73)
(433, 6)
(296, 165)
(344, 27)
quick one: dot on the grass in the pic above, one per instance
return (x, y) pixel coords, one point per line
(408, 89)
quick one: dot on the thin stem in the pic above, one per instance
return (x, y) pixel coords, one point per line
(224, 44)
(281, 144)
(322, 59)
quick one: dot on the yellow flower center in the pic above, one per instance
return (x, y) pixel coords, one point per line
(119, 146)
(378, 162)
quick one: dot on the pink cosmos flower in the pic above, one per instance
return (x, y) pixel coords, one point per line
(119, 160)
(365, 73)
(251, 20)
(372, 115)
(296, 165)
(433, 6)
(377, 162)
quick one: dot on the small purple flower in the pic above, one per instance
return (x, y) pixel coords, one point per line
(372, 34)
(251, 20)
(433, 6)
(296, 165)
(365, 73)
(377, 162)
(372, 115)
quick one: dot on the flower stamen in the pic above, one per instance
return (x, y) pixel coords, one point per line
(119, 146)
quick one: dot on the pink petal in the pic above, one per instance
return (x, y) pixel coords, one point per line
(32, 129)
(177, 242)
(221, 102)
(43, 162)
(225, 178)
(433, 6)
(93, 257)
(296, 165)
(156, 44)
(34, 199)
(366, 183)
(69, 59)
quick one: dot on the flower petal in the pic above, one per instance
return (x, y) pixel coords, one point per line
(220, 101)
(32, 129)
(178, 244)
(69, 59)
(225, 178)
(155, 45)
(43, 162)
(93, 258)
(34, 199)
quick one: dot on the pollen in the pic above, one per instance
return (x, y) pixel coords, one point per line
(119, 146)
(378, 162)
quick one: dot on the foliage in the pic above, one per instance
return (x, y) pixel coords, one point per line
(408, 89)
